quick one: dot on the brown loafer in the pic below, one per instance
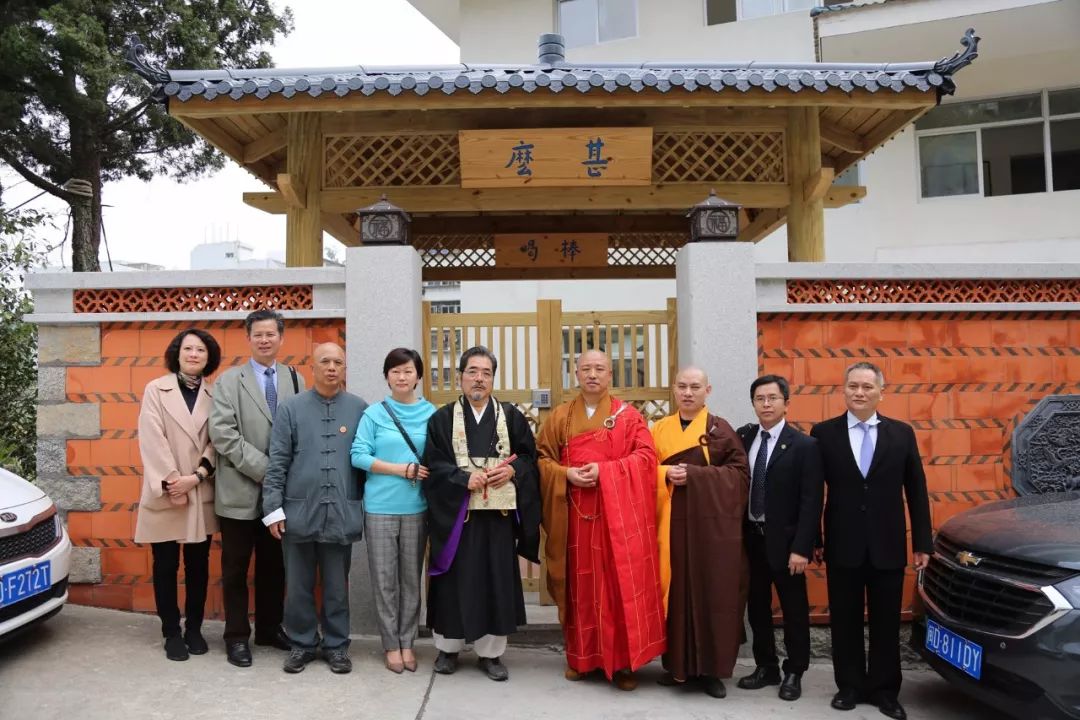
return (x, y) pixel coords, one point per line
(624, 680)
(573, 675)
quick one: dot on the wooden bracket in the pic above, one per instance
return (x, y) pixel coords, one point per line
(818, 184)
(292, 189)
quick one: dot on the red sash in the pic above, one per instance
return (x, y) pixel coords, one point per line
(615, 617)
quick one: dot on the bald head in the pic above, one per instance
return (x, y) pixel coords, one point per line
(593, 375)
(328, 368)
(691, 391)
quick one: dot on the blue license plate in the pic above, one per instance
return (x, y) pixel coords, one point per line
(25, 582)
(959, 652)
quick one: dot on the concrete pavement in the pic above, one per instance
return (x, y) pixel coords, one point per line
(95, 664)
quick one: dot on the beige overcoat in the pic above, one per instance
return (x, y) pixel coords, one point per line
(172, 441)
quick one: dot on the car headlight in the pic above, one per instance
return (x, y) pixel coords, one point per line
(1070, 589)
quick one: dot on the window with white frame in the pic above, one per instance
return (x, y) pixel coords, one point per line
(724, 11)
(1001, 146)
(445, 307)
(588, 22)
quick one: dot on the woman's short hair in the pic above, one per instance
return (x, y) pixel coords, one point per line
(400, 356)
(213, 351)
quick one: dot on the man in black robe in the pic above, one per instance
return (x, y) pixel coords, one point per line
(483, 500)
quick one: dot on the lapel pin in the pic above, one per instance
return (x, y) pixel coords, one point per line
(343, 429)
(783, 447)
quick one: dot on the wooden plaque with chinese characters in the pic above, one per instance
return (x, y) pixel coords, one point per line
(519, 250)
(555, 157)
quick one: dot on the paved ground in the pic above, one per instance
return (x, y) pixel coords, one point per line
(96, 664)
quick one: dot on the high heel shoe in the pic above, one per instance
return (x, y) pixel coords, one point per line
(408, 663)
(394, 666)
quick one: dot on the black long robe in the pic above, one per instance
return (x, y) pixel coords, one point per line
(478, 592)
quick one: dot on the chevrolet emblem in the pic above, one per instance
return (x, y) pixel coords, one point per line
(967, 559)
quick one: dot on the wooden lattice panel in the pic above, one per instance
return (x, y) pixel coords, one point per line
(391, 161)
(730, 156)
(203, 299)
(455, 251)
(932, 291)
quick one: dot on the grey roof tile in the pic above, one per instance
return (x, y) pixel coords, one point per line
(665, 77)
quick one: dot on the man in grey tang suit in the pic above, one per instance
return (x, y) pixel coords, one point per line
(313, 502)
(483, 512)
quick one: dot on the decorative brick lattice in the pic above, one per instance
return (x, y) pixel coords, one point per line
(731, 156)
(809, 292)
(392, 161)
(204, 299)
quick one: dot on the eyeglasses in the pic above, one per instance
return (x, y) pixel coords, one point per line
(475, 373)
(771, 399)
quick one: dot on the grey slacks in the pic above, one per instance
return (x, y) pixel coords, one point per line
(395, 547)
(331, 561)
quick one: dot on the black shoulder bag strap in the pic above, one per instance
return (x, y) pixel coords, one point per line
(295, 382)
(401, 429)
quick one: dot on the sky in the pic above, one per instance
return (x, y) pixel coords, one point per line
(160, 221)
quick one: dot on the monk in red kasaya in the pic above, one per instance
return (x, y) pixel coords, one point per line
(598, 482)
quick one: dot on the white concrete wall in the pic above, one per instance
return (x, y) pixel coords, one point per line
(506, 31)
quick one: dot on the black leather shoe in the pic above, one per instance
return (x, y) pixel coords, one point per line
(845, 700)
(761, 677)
(196, 643)
(494, 668)
(714, 687)
(890, 707)
(175, 649)
(338, 660)
(239, 653)
(298, 660)
(446, 663)
(791, 687)
(669, 680)
(279, 640)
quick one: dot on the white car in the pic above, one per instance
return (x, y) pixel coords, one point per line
(35, 555)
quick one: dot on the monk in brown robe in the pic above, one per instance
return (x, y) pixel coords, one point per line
(599, 490)
(704, 467)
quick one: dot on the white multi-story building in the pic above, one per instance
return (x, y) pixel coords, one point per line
(229, 254)
(991, 174)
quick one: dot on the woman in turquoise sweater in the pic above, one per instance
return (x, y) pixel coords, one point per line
(394, 504)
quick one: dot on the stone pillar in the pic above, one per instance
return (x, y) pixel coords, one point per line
(717, 306)
(383, 295)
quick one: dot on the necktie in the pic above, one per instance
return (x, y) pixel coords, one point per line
(757, 487)
(866, 452)
(271, 391)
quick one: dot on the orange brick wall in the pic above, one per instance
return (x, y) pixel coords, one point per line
(131, 356)
(962, 380)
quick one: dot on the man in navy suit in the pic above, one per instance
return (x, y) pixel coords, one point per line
(782, 526)
(871, 465)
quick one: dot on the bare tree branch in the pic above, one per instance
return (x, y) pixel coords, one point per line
(36, 180)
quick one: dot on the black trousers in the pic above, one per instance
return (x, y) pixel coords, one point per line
(791, 590)
(882, 593)
(239, 539)
(196, 575)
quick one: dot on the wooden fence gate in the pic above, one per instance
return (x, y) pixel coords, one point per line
(537, 351)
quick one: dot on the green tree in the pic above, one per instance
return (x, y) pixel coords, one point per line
(19, 252)
(73, 115)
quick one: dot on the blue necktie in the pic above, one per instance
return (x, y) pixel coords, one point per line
(271, 391)
(866, 452)
(757, 487)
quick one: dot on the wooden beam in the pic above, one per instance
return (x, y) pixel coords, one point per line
(612, 272)
(766, 221)
(671, 198)
(818, 184)
(494, 224)
(266, 145)
(842, 138)
(216, 136)
(805, 216)
(841, 195)
(341, 229)
(292, 189)
(198, 107)
(304, 224)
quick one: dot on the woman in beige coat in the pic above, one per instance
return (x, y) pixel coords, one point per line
(176, 510)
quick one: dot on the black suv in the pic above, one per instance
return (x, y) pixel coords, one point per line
(1002, 598)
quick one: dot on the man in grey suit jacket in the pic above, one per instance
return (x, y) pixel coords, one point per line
(245, 402)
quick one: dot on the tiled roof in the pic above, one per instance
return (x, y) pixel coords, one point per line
(833, 9)
(554, 75)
